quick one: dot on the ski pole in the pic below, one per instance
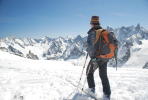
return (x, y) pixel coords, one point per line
(86, 75)
(91, 62)
(82, 71)
(116, 64)
(80, 77)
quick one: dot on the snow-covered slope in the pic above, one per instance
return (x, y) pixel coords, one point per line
(26, 79)
(139, 56)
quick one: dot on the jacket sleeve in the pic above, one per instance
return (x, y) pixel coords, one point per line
(90, 44)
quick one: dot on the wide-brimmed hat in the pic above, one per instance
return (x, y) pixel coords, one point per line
(94, 20)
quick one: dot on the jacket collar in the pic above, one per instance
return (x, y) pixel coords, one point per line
(95, 28)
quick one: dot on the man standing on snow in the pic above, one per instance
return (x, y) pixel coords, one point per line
(99, 42)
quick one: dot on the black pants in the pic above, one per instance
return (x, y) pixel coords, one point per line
(92, 66)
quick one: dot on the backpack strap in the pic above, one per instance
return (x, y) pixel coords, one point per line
(98, 34)
(105, 36)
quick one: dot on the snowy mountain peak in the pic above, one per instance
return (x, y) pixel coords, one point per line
(78, 38)
(138, 27)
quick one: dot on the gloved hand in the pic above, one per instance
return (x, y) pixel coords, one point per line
(93, 59)
(94, 62)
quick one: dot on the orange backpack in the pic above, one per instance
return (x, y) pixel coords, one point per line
(107, 50)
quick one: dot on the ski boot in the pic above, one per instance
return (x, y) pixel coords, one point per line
(91, 91)
(106, 97)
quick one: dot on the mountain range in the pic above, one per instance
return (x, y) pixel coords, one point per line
(73, 48)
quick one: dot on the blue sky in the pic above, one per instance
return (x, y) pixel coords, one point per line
(39, 18)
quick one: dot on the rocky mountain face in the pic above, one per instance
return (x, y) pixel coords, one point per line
(72, 48)
(30, 55)
(45, 48)
(146, 65)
